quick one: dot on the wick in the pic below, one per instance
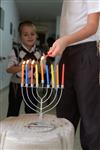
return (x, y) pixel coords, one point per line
(48, 55)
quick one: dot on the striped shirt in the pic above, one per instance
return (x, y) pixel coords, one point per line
(23, 54)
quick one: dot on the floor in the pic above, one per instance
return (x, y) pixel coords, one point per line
(3, 111)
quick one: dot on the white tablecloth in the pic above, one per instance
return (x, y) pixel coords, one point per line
(16, 134)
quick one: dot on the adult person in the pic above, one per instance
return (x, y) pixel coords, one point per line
(77, 45)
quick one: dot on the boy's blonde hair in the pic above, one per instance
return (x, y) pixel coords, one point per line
(24, 23)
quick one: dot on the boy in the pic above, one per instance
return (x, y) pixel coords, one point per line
(26, 50)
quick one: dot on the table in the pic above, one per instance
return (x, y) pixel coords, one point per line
(17, 134)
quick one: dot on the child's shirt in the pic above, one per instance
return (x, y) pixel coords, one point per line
(20, 53)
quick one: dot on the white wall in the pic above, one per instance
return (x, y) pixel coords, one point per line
(10, 15)
(57, 26)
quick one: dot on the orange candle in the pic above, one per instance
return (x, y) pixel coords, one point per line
(36, 71)
(63, 71)
(23, 68)
(57, 75)
(32, 65)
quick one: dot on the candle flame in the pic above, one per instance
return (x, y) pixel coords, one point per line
(23, 63)
(42, 58)
(27, 61)
(33, 62)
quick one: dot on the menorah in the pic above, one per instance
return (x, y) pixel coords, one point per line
(46, 94)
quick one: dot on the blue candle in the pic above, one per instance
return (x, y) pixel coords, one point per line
(27, 80)
(47, 75)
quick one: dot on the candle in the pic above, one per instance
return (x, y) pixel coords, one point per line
(22, 78)
(52, 75)
(27, 69)
(42, 58)
(42, 69)
(57, 75)
(32, 65)
(47, 76)
(63, 71)
(36, 71)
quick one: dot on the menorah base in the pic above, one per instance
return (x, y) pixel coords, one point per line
(41, 126)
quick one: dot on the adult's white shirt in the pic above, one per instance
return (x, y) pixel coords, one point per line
(74, 16)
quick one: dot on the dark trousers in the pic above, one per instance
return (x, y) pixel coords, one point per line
(15, 99)
(81, 95)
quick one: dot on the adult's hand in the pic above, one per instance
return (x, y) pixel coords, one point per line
(58, 47)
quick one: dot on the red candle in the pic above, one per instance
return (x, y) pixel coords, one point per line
(63, 71)
(32, 65)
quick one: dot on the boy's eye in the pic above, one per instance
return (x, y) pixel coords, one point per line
(25, 34)
(32, 34)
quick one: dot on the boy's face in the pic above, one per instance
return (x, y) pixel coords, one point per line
(28, 36)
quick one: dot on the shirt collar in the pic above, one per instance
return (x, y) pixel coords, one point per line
(32, 49)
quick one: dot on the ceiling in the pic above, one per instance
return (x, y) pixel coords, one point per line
(39, 10)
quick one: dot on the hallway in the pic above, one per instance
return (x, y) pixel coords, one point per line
(46, 16)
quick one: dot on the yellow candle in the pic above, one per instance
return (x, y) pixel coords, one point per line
(57, 75)
(52, 75)
(23, 68)
(42, 69)
(36, 71)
